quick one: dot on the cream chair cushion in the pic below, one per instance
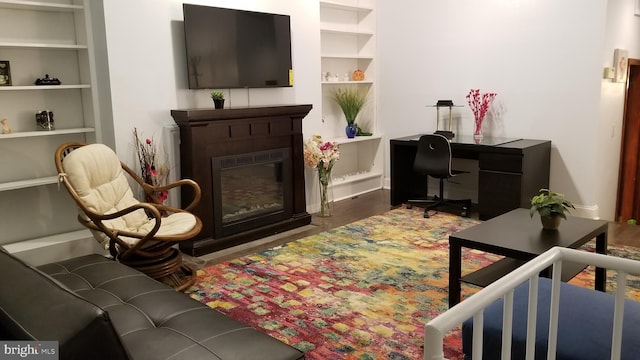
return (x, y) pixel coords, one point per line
(94, 171)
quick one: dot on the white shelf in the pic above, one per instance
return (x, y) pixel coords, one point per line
(355, 178)
(44, 87)
(346, 82)
(22, 184)
(37, 5)
(52, 46)
(24, 134)
(348, 57)
(343, 6)
(37, 243)
(347, 187)
(346, 140)
(344, 30)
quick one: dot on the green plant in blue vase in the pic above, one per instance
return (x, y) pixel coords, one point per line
(351, 101)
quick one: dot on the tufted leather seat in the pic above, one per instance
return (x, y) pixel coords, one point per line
(151, 320)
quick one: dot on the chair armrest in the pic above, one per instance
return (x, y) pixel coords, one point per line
(149, 189)
(197, 192)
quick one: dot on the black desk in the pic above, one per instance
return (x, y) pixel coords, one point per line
(511, 171)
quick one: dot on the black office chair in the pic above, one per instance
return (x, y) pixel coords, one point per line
(433, 158)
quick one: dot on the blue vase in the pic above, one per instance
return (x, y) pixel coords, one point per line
(351, 130)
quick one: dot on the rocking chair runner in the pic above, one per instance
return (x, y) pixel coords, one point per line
(135, 232)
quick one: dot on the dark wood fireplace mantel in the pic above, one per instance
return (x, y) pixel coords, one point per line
(209, 133)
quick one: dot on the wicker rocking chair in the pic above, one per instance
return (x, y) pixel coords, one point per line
(134, 232)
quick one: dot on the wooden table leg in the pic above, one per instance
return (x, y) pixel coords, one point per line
(455, 272)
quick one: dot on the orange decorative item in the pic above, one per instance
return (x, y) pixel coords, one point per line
(358, 75)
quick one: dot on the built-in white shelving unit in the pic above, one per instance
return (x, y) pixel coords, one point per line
(43, 37)
(44, 87)
(348, 42)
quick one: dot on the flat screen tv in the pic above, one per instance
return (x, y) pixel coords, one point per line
(229, 48)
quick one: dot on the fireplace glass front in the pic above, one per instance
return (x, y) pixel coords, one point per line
(251, 190)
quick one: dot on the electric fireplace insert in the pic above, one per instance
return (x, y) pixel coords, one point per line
(251, 190)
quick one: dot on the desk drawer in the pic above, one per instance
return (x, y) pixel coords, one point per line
(501, 162)
(498, 193)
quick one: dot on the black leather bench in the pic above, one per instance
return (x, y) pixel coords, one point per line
(97, 308)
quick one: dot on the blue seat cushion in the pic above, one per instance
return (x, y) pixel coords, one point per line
(585, 325)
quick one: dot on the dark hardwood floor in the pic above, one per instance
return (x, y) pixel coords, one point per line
(360, 207)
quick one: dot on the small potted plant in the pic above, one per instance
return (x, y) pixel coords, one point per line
(218, 99)
(551, 206)
(351, 101)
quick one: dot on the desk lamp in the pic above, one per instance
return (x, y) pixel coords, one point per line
(444, 103)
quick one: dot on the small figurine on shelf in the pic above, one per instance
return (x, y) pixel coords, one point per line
(44, 119)
(5, 126)
(48, 81)
(5, 73)
(358, 75)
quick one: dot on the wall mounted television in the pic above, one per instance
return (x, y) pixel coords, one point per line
(228, 48)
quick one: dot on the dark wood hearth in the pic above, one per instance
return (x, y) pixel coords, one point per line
(206, 134)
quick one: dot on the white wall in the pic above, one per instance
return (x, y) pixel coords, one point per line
(544, 58)
(145, 43)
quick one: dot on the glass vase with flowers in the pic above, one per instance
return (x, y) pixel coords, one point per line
(479, 104)
(322, 155)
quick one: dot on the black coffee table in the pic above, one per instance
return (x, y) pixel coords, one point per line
(520, 238)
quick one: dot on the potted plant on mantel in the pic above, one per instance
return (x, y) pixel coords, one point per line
(351, 101)
(218, 99)
(551, 206)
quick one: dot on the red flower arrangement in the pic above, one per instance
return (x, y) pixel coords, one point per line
(479, 104)
(151, 172)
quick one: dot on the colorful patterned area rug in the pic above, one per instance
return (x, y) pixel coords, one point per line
(360, 291)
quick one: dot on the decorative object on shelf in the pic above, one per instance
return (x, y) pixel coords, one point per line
(620, 61)
(322, 156)
(332, 77)
(46, 80)
(358, 75)
(360, 132)
(351, 130)
(5, 73)
(551, 206)
(479, 104)
(5, 126)
(153, 170)
(218, 99)
(44, 119)
(351, 101)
